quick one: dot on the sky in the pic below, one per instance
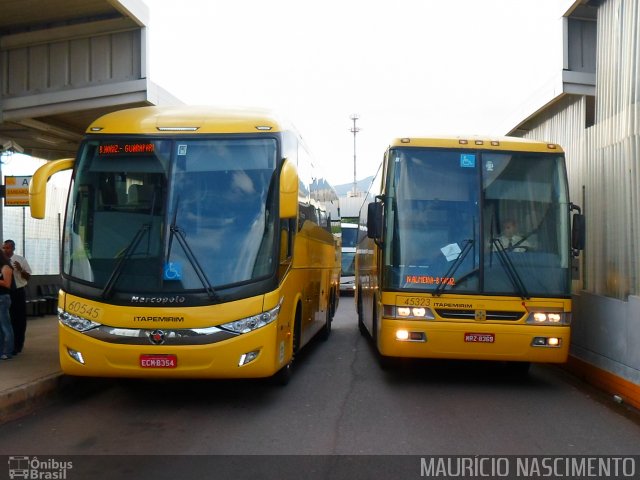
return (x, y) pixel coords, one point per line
(405, 67)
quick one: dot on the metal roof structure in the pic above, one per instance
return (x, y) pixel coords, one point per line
(63, 63)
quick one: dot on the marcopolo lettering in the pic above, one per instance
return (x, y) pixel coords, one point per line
(162, 300)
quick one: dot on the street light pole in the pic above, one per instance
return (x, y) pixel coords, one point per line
(354, 130)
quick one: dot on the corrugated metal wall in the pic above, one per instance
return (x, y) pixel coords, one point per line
(604, 160)
(604, 177)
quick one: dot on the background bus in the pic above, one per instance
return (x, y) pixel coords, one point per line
(348, 271)
(197, 243)
(435, 277)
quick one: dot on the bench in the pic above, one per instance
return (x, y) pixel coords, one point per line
(42, 299)
(49, 293)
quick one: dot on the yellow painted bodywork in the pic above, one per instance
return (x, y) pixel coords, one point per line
(498, 143)
(151, 120)
(307, 284)
(445, 337)
(217, 360)
(446, 340)
(38, 185)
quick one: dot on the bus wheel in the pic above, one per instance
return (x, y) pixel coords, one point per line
(326, 330)
(282, 376)
(361, 326)
(386, 363)
(332, 304)
(374, 325)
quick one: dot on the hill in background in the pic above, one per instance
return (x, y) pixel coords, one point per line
(361, 185)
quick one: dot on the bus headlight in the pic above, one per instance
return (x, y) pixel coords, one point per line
(408, 313)
(549, 318)
(249, 324)
(77, 323)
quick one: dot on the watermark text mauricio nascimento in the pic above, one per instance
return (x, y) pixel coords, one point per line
(529, 466)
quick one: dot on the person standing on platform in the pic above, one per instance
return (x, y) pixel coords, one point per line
(21, 275)
(6, 331)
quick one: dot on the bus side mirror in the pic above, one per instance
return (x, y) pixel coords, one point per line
(374, 221)
(288, 190)
(38, 185)
(578, 230)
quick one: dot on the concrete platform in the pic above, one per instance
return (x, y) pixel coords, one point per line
(32, 374)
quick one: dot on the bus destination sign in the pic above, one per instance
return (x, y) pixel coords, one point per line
(126, 148)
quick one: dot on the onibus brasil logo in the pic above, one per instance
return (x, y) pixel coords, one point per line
(38, 469)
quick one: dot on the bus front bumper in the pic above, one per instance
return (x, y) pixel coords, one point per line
(474, 341)
(251, 355)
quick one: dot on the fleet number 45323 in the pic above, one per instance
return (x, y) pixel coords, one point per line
(414, 301)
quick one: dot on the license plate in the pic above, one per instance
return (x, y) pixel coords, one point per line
(158, 361)
(479, 337)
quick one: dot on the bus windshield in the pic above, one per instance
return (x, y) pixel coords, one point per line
(477, 222)
(348, 264)
(171, 215)
(349, 236)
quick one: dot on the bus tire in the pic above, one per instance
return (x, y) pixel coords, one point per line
(326, 330)
(283, 376)
(333, 304)
(361, 325)
(386, 363)
(374, 325)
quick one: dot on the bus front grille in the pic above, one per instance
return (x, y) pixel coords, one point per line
(492, 315)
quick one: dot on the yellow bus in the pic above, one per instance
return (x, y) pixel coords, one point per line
(440, 272)
(197, 243)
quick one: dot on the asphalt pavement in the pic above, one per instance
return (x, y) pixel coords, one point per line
(34, 375)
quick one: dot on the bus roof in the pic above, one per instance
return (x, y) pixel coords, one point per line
(478, 143)
(187, 120)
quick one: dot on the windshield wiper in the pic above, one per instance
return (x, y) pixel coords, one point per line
(174, 230)
(128, 252)
(454, 267)
(510, 268)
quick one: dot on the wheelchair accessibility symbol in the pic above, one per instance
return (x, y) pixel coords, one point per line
(172, 271)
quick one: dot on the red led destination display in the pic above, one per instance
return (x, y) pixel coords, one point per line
(125, 148)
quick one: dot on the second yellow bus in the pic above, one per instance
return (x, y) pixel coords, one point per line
(468, 251)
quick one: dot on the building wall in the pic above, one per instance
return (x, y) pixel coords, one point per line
(604, 175)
